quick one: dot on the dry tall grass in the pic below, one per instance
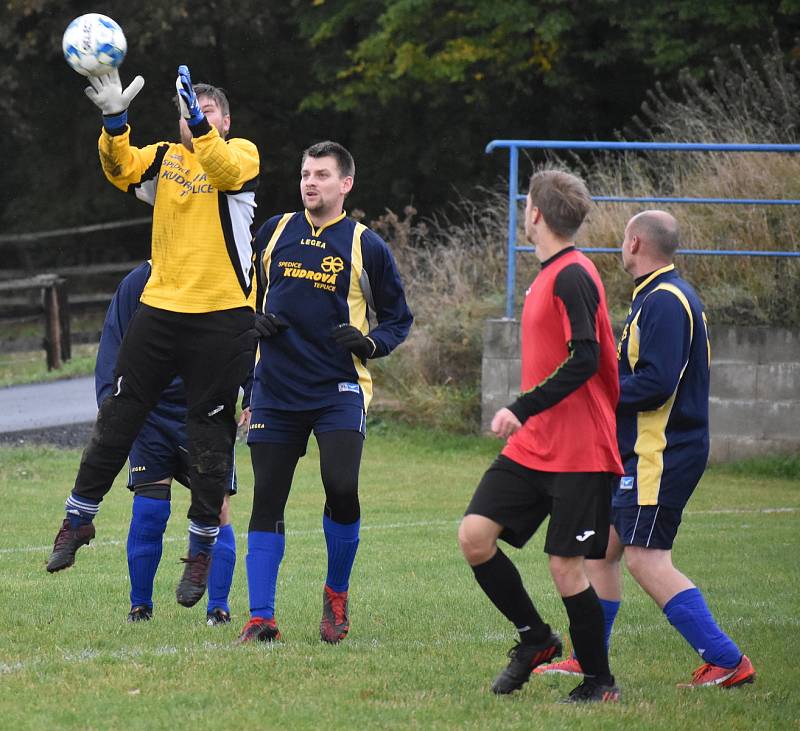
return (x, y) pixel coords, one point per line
(454, 267)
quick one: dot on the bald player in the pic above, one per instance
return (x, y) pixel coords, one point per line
(662, 430)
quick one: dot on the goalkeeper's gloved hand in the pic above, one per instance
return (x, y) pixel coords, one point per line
(187, 99)
(107, 94)
(268, 325)
(350, 338)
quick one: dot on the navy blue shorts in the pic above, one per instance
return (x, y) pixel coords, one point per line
(160, 452)
(294, 427)
(649, 526)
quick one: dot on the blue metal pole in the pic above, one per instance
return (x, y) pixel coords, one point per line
(513, 185)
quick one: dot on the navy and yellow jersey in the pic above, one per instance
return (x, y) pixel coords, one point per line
(662, 415)
(171, 407)
(315, 279)
(203, 205)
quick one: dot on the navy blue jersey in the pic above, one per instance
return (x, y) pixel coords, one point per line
(662, 416)
(315, 279)
(172, 405)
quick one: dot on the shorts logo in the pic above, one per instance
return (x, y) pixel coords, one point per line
(216, 410)
(349, 388)
(586, 534)
(626, 483)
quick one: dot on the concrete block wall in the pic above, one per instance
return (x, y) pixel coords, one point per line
(755, 386)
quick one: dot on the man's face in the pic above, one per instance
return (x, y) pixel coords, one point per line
(322, 186)
(627, 254)
(530, 213)
(214, 116)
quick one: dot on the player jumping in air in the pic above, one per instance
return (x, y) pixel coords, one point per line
(196, 314)
(662, 424)
(561, 456)
(319, 272)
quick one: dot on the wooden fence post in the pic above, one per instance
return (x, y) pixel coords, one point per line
(52, 320)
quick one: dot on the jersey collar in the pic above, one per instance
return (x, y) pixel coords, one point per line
(318, 231)
(650, 277)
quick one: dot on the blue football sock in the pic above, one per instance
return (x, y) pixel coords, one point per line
(264, 556)
(610, 609)
(202, 538)
(342, 542)
(80, 510)
(687, 612)
(221, 574)
(145, 540)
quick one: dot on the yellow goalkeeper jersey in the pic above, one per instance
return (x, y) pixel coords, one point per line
(203, 205)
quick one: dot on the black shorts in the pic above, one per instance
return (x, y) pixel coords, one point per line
(519, 499)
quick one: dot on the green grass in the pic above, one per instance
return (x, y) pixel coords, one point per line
(424, 644)
(31, 367)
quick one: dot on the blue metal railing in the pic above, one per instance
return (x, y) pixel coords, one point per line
(514, 196)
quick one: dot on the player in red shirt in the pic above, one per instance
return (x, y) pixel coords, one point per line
(561, 457)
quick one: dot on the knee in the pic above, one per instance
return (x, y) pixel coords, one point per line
(641, 562)
(569, 574)
(477, 544)
(224, 513)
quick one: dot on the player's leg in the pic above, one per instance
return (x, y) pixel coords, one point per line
(579, 529)
(216, 352)
(143, 370)
(277, 440)
(648, 556)
(507, 504)
(149, 516)
(222, 568)
(605, 575)
(155, 457)
(340, 433)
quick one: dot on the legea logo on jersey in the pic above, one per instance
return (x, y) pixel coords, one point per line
(326, 279)
(139, 468)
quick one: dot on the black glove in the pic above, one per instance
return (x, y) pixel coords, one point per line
(269, 325)
(350, 338)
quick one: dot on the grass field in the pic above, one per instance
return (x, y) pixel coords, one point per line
(424, 644)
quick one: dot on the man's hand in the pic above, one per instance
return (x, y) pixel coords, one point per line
(106, 92)
(244, 419)
(187, 99)
(350, 338)
(504, 423)
(269, 325)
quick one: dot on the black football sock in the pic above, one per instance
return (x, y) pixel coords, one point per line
(501, 582)
(587, 627)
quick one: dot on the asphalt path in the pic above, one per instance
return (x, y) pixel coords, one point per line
(39, 406)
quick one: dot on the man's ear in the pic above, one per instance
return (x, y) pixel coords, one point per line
(347, 184)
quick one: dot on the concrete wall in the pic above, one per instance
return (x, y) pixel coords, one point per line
(755, 386)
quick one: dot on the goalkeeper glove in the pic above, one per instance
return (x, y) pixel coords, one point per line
(350, 338)
(187, 99)
(107, 94)
(268, 325)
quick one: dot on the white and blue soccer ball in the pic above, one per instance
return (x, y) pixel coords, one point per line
(94, 44)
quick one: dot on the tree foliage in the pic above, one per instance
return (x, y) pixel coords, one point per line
(415, 88)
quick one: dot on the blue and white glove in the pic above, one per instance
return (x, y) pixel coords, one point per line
(107, 94)
(187, 99)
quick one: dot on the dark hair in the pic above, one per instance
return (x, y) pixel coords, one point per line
(344, 160)
(214, 93)
(563, 200)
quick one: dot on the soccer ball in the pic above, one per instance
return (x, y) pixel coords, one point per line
(94, 44)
